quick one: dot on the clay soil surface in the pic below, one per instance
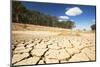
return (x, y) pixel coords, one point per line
(34, 44)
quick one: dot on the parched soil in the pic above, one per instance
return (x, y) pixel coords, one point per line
(51, 45)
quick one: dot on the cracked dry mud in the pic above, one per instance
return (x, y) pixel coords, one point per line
(44, 48)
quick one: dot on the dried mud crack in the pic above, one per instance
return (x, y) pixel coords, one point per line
(44, 48)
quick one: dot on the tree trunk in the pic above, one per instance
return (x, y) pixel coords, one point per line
(17, 19)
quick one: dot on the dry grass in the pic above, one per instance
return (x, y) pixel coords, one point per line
(60, 31)
(21, 27)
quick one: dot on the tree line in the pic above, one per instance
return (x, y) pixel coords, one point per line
(93, 27)
(20, 14)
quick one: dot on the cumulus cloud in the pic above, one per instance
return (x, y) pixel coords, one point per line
(63, 18)
(74, 11)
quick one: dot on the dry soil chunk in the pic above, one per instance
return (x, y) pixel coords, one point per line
(19, 48)
(72, 51)
(20, 45)
(65, 44)
(38, 52)
(63, 55)
(89, 53)
(54, 46)
(52, 54)
(79, 57)
(30, 45)
(23, 51)
(32, 60)
(41, 62)
(63, 61)
(51, 60)
(18, 57)
(40, 46)
(92, 48)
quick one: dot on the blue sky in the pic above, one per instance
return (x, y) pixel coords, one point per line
(83, 16)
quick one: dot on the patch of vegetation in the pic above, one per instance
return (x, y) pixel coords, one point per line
(93, 27)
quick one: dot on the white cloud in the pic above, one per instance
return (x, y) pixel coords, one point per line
(63, 17)
(60, 20)
(72, 20)
(74, 11)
